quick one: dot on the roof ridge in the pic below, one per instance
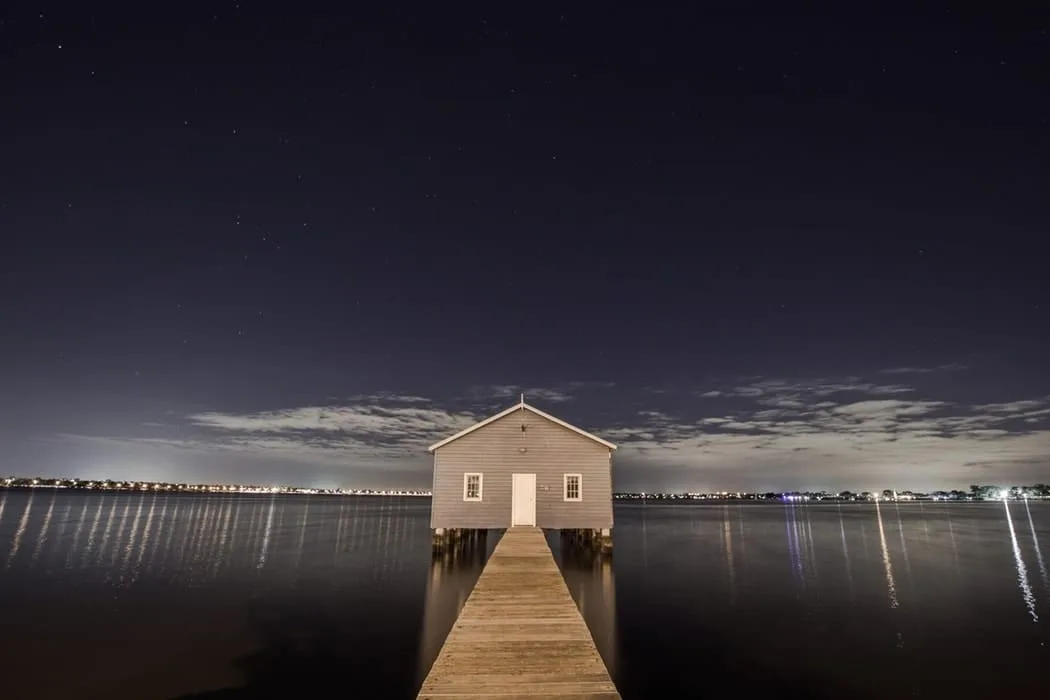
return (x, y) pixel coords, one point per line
(517, 407)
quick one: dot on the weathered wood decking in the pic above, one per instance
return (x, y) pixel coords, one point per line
(520, 633)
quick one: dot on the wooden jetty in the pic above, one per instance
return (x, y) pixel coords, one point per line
(520, 633)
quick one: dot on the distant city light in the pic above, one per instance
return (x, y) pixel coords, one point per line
(975, 493)
(143, 486)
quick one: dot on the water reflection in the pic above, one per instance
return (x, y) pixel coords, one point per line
(145, 539)
(591, 580)
(64, 515)
(452, 575)
(129, 548)
(727, 543)
(123, 537)
(904, 544)
(845, 551)
(794, 550)
(269, 531)
(21, 531)
(811, 549)
(124, 518)
(106, 530)
(1022, 570)
(349, 591)
(91, 543)
(302, 533)
(81, 520)
(1038, 551)
(891, 585)
(801, 546)
(42, 537)
(951, 536)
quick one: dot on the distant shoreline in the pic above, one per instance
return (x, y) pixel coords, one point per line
(212, 491)
(625, 499)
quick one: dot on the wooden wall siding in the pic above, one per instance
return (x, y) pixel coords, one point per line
(494, 450)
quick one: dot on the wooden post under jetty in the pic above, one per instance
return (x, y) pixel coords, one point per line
(600, 540)
(520, 633)
(447, 540)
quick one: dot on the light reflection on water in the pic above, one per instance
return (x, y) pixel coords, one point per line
(1035, 545)
(276, 592)
(845, 551)
(119, 537)
(891, 584)
(826, 597)
(1022, 570)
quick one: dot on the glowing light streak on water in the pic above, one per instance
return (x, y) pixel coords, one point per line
(76, 535)
(171, 534)
(129, 548)
(951, 536)
(864, 539)
(727, 534)
(147, 532)
(811, 547)
(187, 532)
(233, 527)
(21, 531)
(201, 531)
(340, 526)
(250, 530)
(1038, 551)
(92, 532)
(845, 551)
(224, 532)
(302, 535)
(221, 555)
(266, 534)
(792, 538)
(904, 545)
(65, 518)
(120, 532)
(1022, 570)
(42, 537)
(891, 586)
(925, 525)
(742, 542)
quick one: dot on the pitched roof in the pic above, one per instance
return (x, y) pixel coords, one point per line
(512, 409)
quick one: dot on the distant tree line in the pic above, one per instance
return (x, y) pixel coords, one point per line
(979, 491)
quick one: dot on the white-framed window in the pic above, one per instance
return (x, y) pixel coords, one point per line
(573, 489)
(472, 487)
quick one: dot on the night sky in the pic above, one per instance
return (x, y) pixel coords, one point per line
(756, 250)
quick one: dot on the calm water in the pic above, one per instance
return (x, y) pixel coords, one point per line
(142, 596)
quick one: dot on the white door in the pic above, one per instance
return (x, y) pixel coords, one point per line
(523, 499)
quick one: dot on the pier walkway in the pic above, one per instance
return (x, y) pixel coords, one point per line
(520, 633)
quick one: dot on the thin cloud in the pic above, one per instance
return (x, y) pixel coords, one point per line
(551, 394)
(951, 367)
(797, 389)
(1025, 405)
(395, 426)
(755, 433)
(849, 433)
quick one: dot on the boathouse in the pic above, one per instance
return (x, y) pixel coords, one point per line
(522, 467)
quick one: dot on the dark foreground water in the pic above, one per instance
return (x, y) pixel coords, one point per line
(142, 596)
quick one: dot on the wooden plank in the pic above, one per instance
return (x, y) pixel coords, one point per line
(520, 634)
